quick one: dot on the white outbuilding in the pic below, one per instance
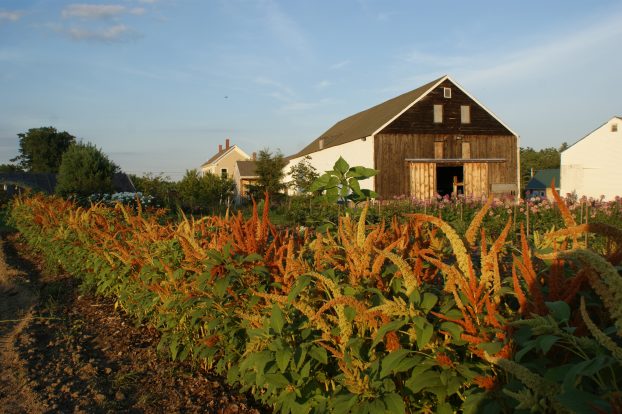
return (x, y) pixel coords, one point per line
(592, 167)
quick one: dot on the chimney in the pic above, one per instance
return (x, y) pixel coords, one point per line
(254, 156)
(219, 148)
(227, 143)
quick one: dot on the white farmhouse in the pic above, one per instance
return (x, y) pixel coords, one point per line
(592, 167)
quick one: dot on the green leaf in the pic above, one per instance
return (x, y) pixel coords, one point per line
(491, 347)
(424, 334)
(320, 183)
(581, 402)
(391, 361)
(394, 403)
(276, 319)
(319, 354)
(332, 195)
(386, 328)
(343, 403)
(426, 379)
(560, 310)
(277, 380)
(444, 408)
(545, 342)
(361, 173)
(454, 329)
(341, 166)
(282, 357)
(429, 300)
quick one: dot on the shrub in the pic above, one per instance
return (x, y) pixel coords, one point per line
(85, 170)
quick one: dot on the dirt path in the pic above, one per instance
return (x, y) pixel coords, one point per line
(61, 351)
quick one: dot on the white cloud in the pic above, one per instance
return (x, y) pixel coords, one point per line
(11, 16)
(93, 11)
(339, 65)
(115, 33)
(323, 84)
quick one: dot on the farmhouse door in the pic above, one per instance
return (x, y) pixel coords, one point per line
(476, 179)
(422, 180)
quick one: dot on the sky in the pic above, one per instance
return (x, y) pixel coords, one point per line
(158, 84)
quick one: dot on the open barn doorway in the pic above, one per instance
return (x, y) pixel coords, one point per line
(447, 177)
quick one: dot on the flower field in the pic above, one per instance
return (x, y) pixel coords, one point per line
(411, 315)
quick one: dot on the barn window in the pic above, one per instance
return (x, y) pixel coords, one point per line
(614, 127)
(465, 114)
(438, 149)
(447, 92)
(438, 114)
(466, 150)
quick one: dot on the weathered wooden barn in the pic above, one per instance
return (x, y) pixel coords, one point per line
(436, 139)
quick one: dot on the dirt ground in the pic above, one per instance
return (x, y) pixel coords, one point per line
(63, 352)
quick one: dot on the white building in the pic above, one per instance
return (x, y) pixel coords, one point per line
(592, 167)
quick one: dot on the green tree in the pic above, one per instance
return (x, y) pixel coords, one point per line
(270, 173)
(41, 149)
(198, 192)
(303, 175)
(9, 168)
(161, 188)
(85, 170)
(538, 160)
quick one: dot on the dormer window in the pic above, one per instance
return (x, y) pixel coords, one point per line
(447, 93)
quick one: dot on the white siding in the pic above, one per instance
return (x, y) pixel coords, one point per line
(593, 166)
(356, 153)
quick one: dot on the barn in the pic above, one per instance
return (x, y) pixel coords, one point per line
(436, 139)
(591, 166)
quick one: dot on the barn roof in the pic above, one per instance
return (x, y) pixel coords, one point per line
(542, 179)
(371, 121)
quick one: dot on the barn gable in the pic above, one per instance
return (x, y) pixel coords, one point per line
(420, 140)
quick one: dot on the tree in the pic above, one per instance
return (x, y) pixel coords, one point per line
(198, 192)
(41, 149)
(161, 188)
(538, 160)
(9, 168)
(269, 169)
(85, 170)
(303, 175)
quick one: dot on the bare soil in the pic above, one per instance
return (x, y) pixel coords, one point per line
(61, 351)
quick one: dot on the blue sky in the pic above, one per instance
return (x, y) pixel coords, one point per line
(158, 84)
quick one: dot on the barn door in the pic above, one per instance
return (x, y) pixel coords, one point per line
(422, 180)
(476, 179)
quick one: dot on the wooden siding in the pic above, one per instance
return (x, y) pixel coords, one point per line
(392, 150)
(476, 179)
(422, 180)
(420, 117)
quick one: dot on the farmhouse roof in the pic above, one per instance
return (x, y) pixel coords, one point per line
(542, 179)
(371, 121)
(247, 168)
(219, 155)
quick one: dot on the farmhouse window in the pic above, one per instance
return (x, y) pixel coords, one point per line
(438, 114)
(614, 128)
(223, 173)
(465, 114)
